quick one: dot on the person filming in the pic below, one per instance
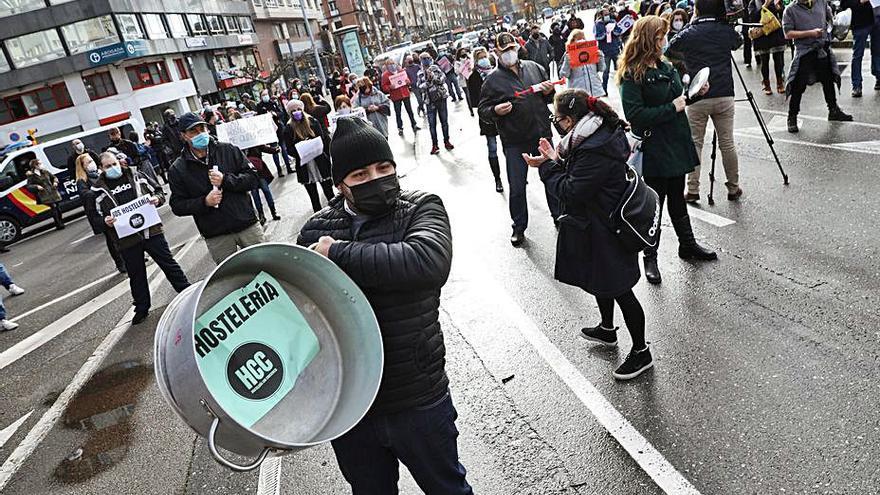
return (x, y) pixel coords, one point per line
(707, 42)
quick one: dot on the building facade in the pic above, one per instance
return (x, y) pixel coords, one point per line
(70, 66)
(281, 28)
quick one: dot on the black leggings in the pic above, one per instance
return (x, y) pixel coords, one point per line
(633, 315)
(312, 189)
(778, 64)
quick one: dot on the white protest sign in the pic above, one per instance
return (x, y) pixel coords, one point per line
(398, 80)
(358, 112)
(626, 23)
(248, 132)
(309, 149)
(135, 216)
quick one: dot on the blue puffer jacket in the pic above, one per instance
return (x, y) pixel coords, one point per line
(585, 77)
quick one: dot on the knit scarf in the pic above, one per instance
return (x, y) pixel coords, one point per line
(582, 130)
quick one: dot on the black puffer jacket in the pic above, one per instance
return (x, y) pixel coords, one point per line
(401, 261)
(529, 120)
(474, 87)
(189, 183)
(706, 42)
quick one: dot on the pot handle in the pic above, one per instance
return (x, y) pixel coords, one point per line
(229, 464)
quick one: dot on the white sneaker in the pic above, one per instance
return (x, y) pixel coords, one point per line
(15, 290)
(6, 325)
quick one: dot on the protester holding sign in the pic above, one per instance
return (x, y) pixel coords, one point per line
(582, 64)
(314, 169)
(119, 185)
(211, 181)
(395, 82)
(397, 247)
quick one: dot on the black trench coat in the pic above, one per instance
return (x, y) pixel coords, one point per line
(588, 254)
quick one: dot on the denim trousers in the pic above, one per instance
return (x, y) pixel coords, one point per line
(438, 109)
(860, 40)
(517, 178)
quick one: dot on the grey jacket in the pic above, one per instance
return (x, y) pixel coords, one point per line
(540, 52)
(379, 118)
(585, 77)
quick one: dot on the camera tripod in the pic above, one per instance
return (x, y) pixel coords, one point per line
(763, 125)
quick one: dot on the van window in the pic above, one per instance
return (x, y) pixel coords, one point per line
(58, 154)
(14, 171)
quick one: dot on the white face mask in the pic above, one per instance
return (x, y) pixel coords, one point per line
(345, 110)
(509, 58)
(677, 25)
(79, 147)
(91, 167)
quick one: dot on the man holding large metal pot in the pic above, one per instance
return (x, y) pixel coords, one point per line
(397, 247)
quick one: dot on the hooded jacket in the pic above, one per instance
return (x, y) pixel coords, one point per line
(189, 183)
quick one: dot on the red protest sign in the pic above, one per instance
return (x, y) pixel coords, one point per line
(584, 52)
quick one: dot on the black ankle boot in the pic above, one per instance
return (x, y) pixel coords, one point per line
(688, 248)
(652, 271)
(496, 172)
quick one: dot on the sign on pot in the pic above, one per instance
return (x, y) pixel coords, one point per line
(251, 347)
(135, 216)
(248, 132)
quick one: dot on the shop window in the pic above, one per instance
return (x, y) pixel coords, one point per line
(197, 24)
(181, 68)
(99, 85)
(148, 74)
(130, 26)
(35, 102)
(90, 34)
(35, 48)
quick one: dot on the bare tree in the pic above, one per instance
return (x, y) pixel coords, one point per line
(284, 68)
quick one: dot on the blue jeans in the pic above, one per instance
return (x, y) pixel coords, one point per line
(610, 58)
(454, 88)
(424, 439)
(255, 193)
(5, 279)
(492, 146)
(283, 153)
(517, 178)
(438, 109)
(860, 39)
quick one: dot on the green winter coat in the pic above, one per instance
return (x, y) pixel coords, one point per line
(667, 145)
(45, 179)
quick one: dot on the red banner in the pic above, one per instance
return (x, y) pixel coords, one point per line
(584, 52)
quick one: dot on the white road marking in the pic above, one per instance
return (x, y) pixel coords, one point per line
(38, 433)
(270, 477)
(18, 264)
(10, 430)
(82, 239)
(67, 223)
(639, 448)
(710, 218)
(65, 296)
(810, 117)
(834, 146)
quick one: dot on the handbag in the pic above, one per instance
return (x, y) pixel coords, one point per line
(769, 22)
(637, 155)
(756, 32)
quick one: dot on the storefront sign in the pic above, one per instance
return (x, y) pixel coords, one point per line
(248, 132)
(245, 39)
(116, 52)
(196, 42)
(135, 216)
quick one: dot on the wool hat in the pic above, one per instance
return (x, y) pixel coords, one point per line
(356, 144)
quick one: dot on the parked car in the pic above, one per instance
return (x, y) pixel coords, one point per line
(18, 206)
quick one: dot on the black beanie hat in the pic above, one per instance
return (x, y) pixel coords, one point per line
(356, 144)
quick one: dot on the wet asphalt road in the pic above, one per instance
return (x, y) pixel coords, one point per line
(765, 380)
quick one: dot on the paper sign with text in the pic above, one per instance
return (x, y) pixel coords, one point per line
(248, 132)
(581, 53)
(357, 113)
(309, 149)
(135, 216)
(398, 80)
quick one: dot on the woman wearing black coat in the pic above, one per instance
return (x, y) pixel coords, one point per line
(482, 67)
(587, 171)
(770, 44)
(303, 127)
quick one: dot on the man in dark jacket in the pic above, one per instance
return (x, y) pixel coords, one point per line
(521, 121)
(707, 42)
(171, 142)
(211, 181)
(397, 247)
(117, 186)
(78, 148)
(539, 49)
(865, 24)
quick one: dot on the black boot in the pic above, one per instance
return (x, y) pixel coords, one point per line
(274, 214)
(792, 123)
(496, 172)
(688, 248)
(837, 115)
(652, 271)
(262, 219)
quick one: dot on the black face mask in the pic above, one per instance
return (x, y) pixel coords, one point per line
(377, 196)
(559, 129)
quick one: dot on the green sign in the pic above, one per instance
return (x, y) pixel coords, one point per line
(251, 347)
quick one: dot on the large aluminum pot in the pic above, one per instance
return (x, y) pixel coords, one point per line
(331, 395)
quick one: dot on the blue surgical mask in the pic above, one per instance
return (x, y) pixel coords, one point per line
(114, 172)
(484, 63)
(665, 44)
(201, 141)
(297, 115)
(426, 62)
(265, 98)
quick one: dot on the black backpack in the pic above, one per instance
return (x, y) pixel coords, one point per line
(636, 218)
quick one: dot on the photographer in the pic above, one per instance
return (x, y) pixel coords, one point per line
(806, 22)
(707, 42)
